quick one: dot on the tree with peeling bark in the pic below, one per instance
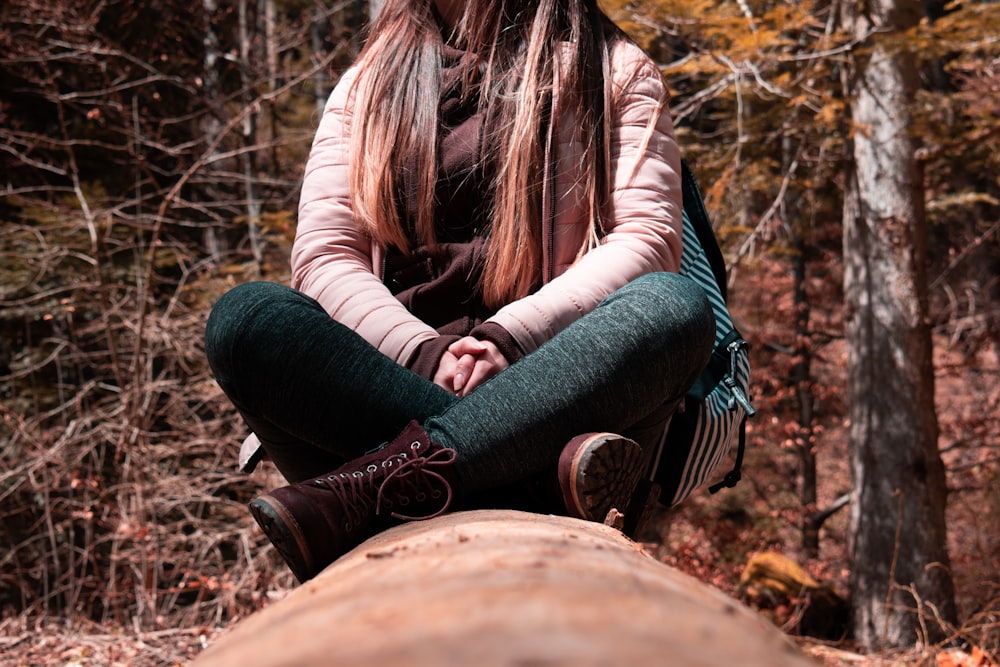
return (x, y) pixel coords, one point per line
(900, 578)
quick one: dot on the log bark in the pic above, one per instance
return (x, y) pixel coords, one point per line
(502, 588)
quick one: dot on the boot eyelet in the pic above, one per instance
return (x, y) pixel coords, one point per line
(404, 501)
(357, 473)
(435, 494)
(421, 497)
(372, 467)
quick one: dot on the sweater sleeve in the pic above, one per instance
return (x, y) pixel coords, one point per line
(332, 255)
(642, 233)
(504, 341)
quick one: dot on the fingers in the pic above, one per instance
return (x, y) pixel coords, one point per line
(471, 362)
(478, 361)
(481, 372)
(453, 372)
(486, 367)
(467, 345)
(444, 376)
(463, 370)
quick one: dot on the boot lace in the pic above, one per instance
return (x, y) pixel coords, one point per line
(406, 480)
(416, 479)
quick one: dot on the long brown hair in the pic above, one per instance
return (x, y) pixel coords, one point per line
(530, 53)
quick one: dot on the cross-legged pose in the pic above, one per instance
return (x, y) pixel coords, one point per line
(485, 309)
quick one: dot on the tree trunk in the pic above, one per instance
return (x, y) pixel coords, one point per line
(503, 588)
(802, 379)
(248, 72)
(211, 125)
(800, 373)
(900, 575)
(318, 29)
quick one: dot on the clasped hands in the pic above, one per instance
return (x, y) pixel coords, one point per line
(467, 363)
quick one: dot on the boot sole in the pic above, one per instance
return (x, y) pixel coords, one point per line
(285, 534)
(604, 475)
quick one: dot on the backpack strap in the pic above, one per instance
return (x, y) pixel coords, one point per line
(736, 396)
(694, 206)
(734, 476)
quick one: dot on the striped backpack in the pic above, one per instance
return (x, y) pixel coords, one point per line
(712, 417)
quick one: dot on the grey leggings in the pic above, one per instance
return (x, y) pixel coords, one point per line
(317, 394)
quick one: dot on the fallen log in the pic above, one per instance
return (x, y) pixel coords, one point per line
(502, 588)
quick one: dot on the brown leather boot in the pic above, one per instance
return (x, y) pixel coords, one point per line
(314, 522)
(599, 473)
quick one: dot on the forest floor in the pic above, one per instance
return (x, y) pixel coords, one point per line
(714, 538)
(711, 537)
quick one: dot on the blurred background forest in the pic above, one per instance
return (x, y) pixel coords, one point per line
(150, 157)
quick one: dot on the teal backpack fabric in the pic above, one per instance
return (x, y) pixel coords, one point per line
(711, 419)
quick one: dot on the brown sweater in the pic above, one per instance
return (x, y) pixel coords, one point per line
(441, 285)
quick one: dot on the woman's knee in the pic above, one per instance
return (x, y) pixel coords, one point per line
(683, 321)
(674, 303)
(246, 309)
